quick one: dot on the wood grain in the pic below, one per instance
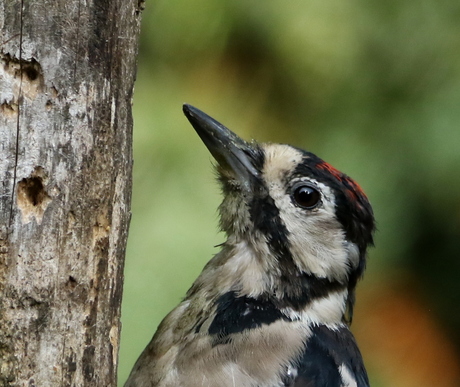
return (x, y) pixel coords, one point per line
(67, 69)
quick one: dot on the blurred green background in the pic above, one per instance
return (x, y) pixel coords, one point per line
(373, 87)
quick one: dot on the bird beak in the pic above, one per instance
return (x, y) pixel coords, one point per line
(229, 150)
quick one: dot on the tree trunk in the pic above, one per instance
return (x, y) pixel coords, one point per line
(67, 69)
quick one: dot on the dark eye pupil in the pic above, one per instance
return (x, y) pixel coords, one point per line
(307, 197)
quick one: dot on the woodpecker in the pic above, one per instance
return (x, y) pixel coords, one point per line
(273, 307)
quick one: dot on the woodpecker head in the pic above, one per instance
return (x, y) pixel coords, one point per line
(308, 224)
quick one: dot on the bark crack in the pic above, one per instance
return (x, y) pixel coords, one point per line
(78, 44)
(16, 156)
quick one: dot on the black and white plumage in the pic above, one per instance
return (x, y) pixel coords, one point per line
(272, 308)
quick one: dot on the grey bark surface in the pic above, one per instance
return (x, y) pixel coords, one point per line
(67, 69)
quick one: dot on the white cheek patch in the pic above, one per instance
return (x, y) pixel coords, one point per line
(316, 238)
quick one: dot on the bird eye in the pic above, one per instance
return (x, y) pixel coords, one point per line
(306, 196)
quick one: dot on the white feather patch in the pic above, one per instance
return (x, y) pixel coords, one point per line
(316, 237)
(327, 310)
(347, 378)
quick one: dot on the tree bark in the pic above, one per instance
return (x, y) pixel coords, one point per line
(67, 69)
